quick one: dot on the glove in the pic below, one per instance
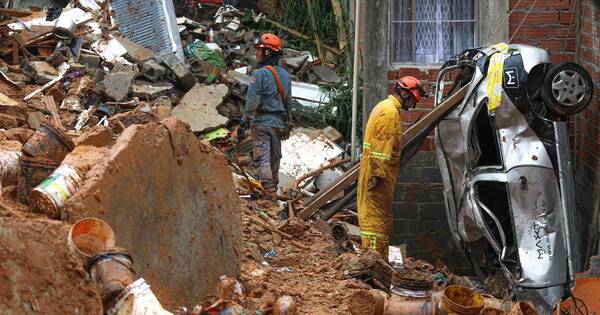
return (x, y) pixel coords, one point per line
(241, 133)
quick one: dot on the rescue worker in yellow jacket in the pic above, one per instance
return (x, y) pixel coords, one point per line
(382, 145)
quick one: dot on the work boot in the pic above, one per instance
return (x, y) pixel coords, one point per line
(270, 194)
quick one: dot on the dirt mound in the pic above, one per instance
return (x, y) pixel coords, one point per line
(38, 272)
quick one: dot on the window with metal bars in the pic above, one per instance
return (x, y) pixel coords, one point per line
(431, 31)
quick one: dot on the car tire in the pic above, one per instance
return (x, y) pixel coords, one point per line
(567, 89)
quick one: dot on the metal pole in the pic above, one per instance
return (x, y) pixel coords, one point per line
(355, 77)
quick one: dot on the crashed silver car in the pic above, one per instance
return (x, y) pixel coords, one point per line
(507, 169)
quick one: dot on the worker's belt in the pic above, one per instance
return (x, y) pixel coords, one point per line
(495, 76)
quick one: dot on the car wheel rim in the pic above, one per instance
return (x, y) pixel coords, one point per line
(568, 87)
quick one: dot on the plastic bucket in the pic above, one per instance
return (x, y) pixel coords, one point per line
(49, 143)
(32, 171)
(462, 301)
(51, 195)
(112, 271)
(90, 236)
(9, 170)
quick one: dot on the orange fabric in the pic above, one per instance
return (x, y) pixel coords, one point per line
(381, 154)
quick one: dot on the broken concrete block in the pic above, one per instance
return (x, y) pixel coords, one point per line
(326, 75)
(152, 70)
(238, 83)
(199, 107)
(148, 90)
(174, 188)
(296, 62)
(181, 72)
(35, 119)
(117, 84)
(41, 71)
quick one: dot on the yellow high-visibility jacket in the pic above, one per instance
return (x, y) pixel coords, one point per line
(382, 146)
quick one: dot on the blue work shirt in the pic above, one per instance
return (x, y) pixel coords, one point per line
(264, 105)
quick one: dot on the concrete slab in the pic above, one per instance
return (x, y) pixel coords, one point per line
(326, 75)
(171, 202)
(149, 90)
(199, 107)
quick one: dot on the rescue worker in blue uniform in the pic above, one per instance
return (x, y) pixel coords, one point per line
(267, 111)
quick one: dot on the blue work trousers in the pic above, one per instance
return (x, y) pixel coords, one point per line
(266, 152)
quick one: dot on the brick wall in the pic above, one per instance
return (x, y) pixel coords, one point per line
(587, 123)
(419, 212)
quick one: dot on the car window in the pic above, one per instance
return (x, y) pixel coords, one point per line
(483, 143)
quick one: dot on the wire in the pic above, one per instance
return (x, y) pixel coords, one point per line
(523, 20)
(564, 46)
(502, 23)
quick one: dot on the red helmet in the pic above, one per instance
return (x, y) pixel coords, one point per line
(270, 42)
(413, 85)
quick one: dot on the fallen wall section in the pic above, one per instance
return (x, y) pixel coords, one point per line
(171, 201)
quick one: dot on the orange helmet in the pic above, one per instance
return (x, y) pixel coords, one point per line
(269, 41)
(413, 85)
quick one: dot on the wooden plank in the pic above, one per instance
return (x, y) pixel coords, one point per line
(14, 13)
(339, 16)
(350, 176)
(275, 230)
(51, 106)
(313, 22)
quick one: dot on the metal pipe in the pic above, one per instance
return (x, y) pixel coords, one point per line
(355, 77)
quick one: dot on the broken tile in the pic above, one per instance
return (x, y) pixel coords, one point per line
(150, 90)
(199, 107)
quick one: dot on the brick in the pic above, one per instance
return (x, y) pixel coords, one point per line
(404, 210)
(432, 211)
(567, 17)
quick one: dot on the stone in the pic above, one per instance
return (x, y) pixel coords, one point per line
(151, 70)
(181, 72)
(295, 62)
(6, 101)
(326, 75)
(117, 84)
(41, 71)
(201, 69)
(149, 91)
(8, 121)
(35, 119)
(174, 188)
(199, 107)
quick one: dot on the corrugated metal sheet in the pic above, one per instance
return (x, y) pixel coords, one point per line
(149, 23)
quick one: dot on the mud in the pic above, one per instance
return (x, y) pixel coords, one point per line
(38, 272)
(314, 282)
